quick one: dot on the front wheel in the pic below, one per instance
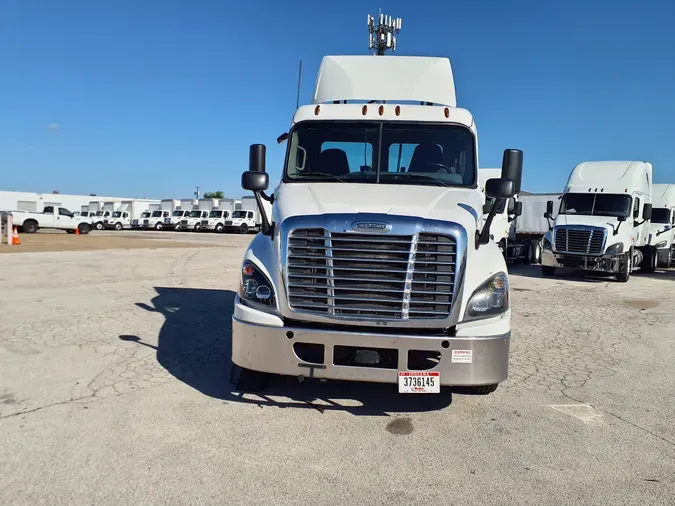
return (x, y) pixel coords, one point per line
(219, 228)
(624, 275)
(243, 229)
(118, 226)
(548, 271)
(159, 226)
(84, 228)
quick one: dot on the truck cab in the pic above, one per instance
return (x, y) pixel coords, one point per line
(242, 221)
(193, 221)
(174, 221)
(156, 219)
(662, 228)
(603, 220)
(216, 220)
(118, 220)
(375, 263)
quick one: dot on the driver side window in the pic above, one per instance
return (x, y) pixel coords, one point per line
(636, 209)
(65, 212)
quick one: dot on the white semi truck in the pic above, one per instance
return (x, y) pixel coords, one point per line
(662, 229)
(194, 219)
(137, 223)
(247, 218)
(179, 214)
(217, 217)
(375, 263)
(529, 226)
(603, 220)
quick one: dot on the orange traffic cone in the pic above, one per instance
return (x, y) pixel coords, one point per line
(15, 238)
(77, 231)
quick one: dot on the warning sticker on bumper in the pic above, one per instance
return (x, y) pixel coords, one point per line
(462, 356)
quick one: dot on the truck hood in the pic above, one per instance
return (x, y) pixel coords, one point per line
(461, 206)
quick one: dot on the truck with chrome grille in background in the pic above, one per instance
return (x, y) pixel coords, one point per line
(375, 263)
(603, 223)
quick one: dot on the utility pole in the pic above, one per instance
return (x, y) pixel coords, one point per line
(382, 37)
(197, 192)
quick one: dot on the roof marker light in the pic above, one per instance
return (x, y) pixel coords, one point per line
(316, 110)
(447, 112)
(398, 110)
(381, 110)
(364, 110)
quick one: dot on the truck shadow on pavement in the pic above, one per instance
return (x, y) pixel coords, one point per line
(194, 346)
(534, 271)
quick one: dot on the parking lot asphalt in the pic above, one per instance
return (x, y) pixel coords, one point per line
(114, 389)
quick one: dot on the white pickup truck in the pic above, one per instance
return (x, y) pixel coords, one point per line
(58, 218)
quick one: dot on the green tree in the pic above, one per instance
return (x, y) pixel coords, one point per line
(214, 195)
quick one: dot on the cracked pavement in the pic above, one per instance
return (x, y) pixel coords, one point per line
(114, 388)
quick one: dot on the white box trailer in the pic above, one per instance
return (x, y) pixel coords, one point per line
(662, 228)
(217, 217)
(201, 212)
(179, 214)
(247, 217)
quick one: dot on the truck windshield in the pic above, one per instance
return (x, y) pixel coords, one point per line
(216, 214)
(84, 213)
(145, 215)
(157, 214)
(660, 215)
(117, 214)
(195, 214)
(596, 204)
(239, 214)
(177, 213)
(99, 213)
(384, 153)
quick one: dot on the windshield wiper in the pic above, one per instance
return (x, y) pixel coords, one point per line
(327, 174)
(419, 177)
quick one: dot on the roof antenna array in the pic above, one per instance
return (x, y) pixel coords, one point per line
(383, 36)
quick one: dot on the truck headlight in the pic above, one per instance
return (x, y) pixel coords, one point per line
(490, 299)
(615, 249)
(547, 244)
(255, 286)
(662, 244)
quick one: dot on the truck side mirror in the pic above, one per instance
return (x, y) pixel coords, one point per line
(512, 168)
(517, 208)
(647, 212)
(500, 188)
(549, 209)
(255, 179)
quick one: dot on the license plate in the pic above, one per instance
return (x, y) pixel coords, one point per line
(419, 382)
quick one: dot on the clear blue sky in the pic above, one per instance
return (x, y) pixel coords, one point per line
(150, 97)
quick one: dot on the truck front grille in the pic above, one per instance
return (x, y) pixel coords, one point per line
(183, 222)
(354, 275)
(583, 241)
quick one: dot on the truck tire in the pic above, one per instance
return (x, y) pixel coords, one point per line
(482, 389)
(158, 226)
(99, 225)
(84, 228)
(250, 381)
(548, 271)
(243, 229)
(118, 226)
(624, 275)
(197, 227)
(649, 260)
(30, 226)
(534, 256)
(219, 228)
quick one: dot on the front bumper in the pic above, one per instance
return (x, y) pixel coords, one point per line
(603, 263)
(261, 342)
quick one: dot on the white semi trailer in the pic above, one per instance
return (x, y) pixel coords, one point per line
(128, 213)
(603, 221)
(364, 271)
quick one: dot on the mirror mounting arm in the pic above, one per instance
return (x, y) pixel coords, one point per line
(268, 198)
(483, 237)
(266, 228)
